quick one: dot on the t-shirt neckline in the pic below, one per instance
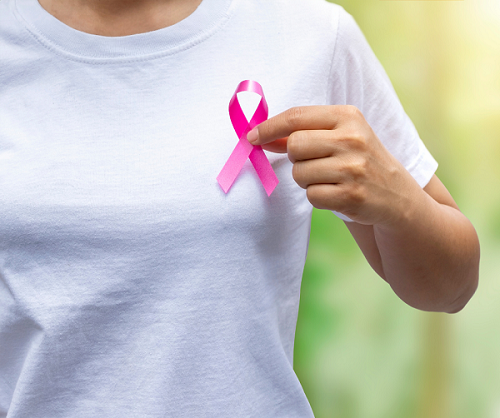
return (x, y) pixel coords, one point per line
(202, 23)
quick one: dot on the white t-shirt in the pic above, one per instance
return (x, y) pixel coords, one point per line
(130, 284)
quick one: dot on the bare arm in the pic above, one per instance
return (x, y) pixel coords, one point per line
(430, 260)
(416, 239)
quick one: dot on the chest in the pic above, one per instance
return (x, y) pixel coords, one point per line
(99, 157)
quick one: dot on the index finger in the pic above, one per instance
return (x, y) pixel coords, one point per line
(296, 119)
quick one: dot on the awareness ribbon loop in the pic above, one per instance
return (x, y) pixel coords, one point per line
(244, 149)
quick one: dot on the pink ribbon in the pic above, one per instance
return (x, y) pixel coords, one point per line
(244, 149)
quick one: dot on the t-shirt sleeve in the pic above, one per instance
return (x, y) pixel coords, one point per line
(358, 78)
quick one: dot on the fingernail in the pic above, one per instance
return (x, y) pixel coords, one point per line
(253, 135)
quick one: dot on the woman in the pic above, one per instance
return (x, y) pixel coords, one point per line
(131, 284)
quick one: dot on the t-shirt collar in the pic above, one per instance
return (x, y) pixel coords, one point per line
(204, 21)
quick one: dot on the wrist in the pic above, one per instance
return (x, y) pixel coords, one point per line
(408, 208)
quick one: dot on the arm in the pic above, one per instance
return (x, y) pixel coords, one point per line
(417, 240)
(430, 259)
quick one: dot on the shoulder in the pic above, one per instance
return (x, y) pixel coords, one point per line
(311, 26)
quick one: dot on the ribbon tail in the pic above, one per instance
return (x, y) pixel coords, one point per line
(264, 169)
(233, 165)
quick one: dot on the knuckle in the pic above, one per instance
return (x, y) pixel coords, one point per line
(295, 143)
(349, 200)
(292, 144)
(358, 169)
(356, 195)
(353, 111)
(298, 174)
(318, 197)
(357, 140)
(294, 116)
(314, 196)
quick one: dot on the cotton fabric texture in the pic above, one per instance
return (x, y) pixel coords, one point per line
(130, 284)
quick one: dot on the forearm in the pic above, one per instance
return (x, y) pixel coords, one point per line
(415, 238)
(430, 257)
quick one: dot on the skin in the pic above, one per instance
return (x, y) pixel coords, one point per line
(416, 239)
(119, 17)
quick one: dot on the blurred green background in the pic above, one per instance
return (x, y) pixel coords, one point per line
(361, 352)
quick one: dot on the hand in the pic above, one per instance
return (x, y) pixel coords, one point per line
(341, 163)
(416, 239)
